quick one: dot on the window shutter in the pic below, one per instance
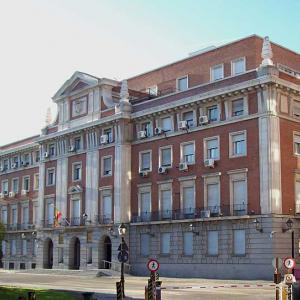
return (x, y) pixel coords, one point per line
(239, 242)
(188, 243)
(145, 244)
(212, 242)
(213, 197)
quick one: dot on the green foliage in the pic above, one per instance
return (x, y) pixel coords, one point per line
(12, 293)
(2, 231)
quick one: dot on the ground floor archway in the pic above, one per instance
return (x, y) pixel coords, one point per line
(105, 253)
(48, 254)
(74, 254)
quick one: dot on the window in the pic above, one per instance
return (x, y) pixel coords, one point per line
(34, 247)
(4, 187)
(212, 242)
(217, 72)
(165, 240)
(145, 161)
(50, 177)
(76, 171)
(89, 255)
(50, 213)
(109, 134)
(27, 158)
(238, 107)
(213, 113)
(52, 149)
(16, 161)
(296, 108)
(107, 206)
(24, 247)
(25, 216)
(188, 243)
(239, 197)
(26, 183)
(36, 182)
(182, 83)
(165, 156)
(75, 214)
(297, 144)
(145, 205)
(297, 193)
(60, 255)
(213, 198)
(211, 145)
(107, 166)
(152, 90)
(166, 124)
(15, 185)
(14, 215)
(5, 164)
(37, 156)
(147, 127)
(35, 212)
(4, 216)
(238, 144)
(166, 202)
(188, 153)
(3, 247)
(189, 118)
(239, 242)
(77, 143)
(188, 199)
(238, 66)
(145, 244)
(13, 247)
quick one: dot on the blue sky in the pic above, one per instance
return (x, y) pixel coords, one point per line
(44, 41)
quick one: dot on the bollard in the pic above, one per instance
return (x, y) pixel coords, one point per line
(158, 290)
(87, 295)
(119, 290)
(146, 293)
(31, 295)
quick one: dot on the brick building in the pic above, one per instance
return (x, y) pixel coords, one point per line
(200, 158)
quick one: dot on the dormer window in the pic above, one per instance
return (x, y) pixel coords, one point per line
(182, 83)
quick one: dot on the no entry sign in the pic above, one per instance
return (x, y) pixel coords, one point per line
(289, 263)
(153, 265)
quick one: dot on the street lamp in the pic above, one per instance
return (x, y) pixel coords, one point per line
(122, 231)
(289, 225)
(257, 225)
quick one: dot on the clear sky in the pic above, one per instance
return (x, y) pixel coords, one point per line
(42, 42)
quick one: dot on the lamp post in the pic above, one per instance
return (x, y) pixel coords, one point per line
(289, 225)
(122, 232)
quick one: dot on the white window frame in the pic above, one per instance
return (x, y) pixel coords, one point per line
(292, 108)
(233, 72)
(159, 122)
(140, 160)
(102, 165)
(182, 154)
(153, 88)
(54, 147)
(205, 141)
(194, 124)
(4, 208)
(73, 171)
(231, 147)
(228, 107)
(164, 187)
(211, 72)
(213, 178)
(187, 184)
(142, 190)
(36, 181)
(160, 155)
(297, 205)
(187, 83)
(3, 182)
(12, 185)
(107, 192)
(47, 176)
(139, 127)
(112, 133)
(296, 135)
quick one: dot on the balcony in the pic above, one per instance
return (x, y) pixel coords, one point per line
(19, 226)
(104, 219)
(193, 213)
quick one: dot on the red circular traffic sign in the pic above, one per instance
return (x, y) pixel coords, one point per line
(289, 263)
(153, 265)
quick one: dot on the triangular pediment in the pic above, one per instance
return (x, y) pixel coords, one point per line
(76, 83)
(75, 189)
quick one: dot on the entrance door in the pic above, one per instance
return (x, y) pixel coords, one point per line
(76, 263)
(107, 252)
(48, 262)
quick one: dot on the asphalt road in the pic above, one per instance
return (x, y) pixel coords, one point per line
(174, 288)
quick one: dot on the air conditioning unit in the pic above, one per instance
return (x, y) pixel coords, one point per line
(162, 170)
(209, 163)
(203, 120)
(205, 213)
(46, 154)
(183, 125)
(158, 131)
(14, 165)
(1, 195)
(142, 134)
(11, 194)
(72, 148)
(183, 166)
(144, 174)
(24, 192)
(103, 139)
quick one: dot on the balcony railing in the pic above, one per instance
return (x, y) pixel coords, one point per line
(193, 213)
(19, 226)
(104, 219)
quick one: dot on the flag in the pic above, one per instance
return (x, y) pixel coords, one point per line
(57, 216)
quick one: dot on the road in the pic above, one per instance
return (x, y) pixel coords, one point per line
(174, 288)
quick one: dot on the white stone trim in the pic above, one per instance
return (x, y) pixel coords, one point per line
(205, 141)
(230, 135)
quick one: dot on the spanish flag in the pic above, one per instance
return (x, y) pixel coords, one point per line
(57, 217)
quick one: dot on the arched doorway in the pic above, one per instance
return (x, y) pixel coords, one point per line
(74, 255)
(107, 252)
(48, 254)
